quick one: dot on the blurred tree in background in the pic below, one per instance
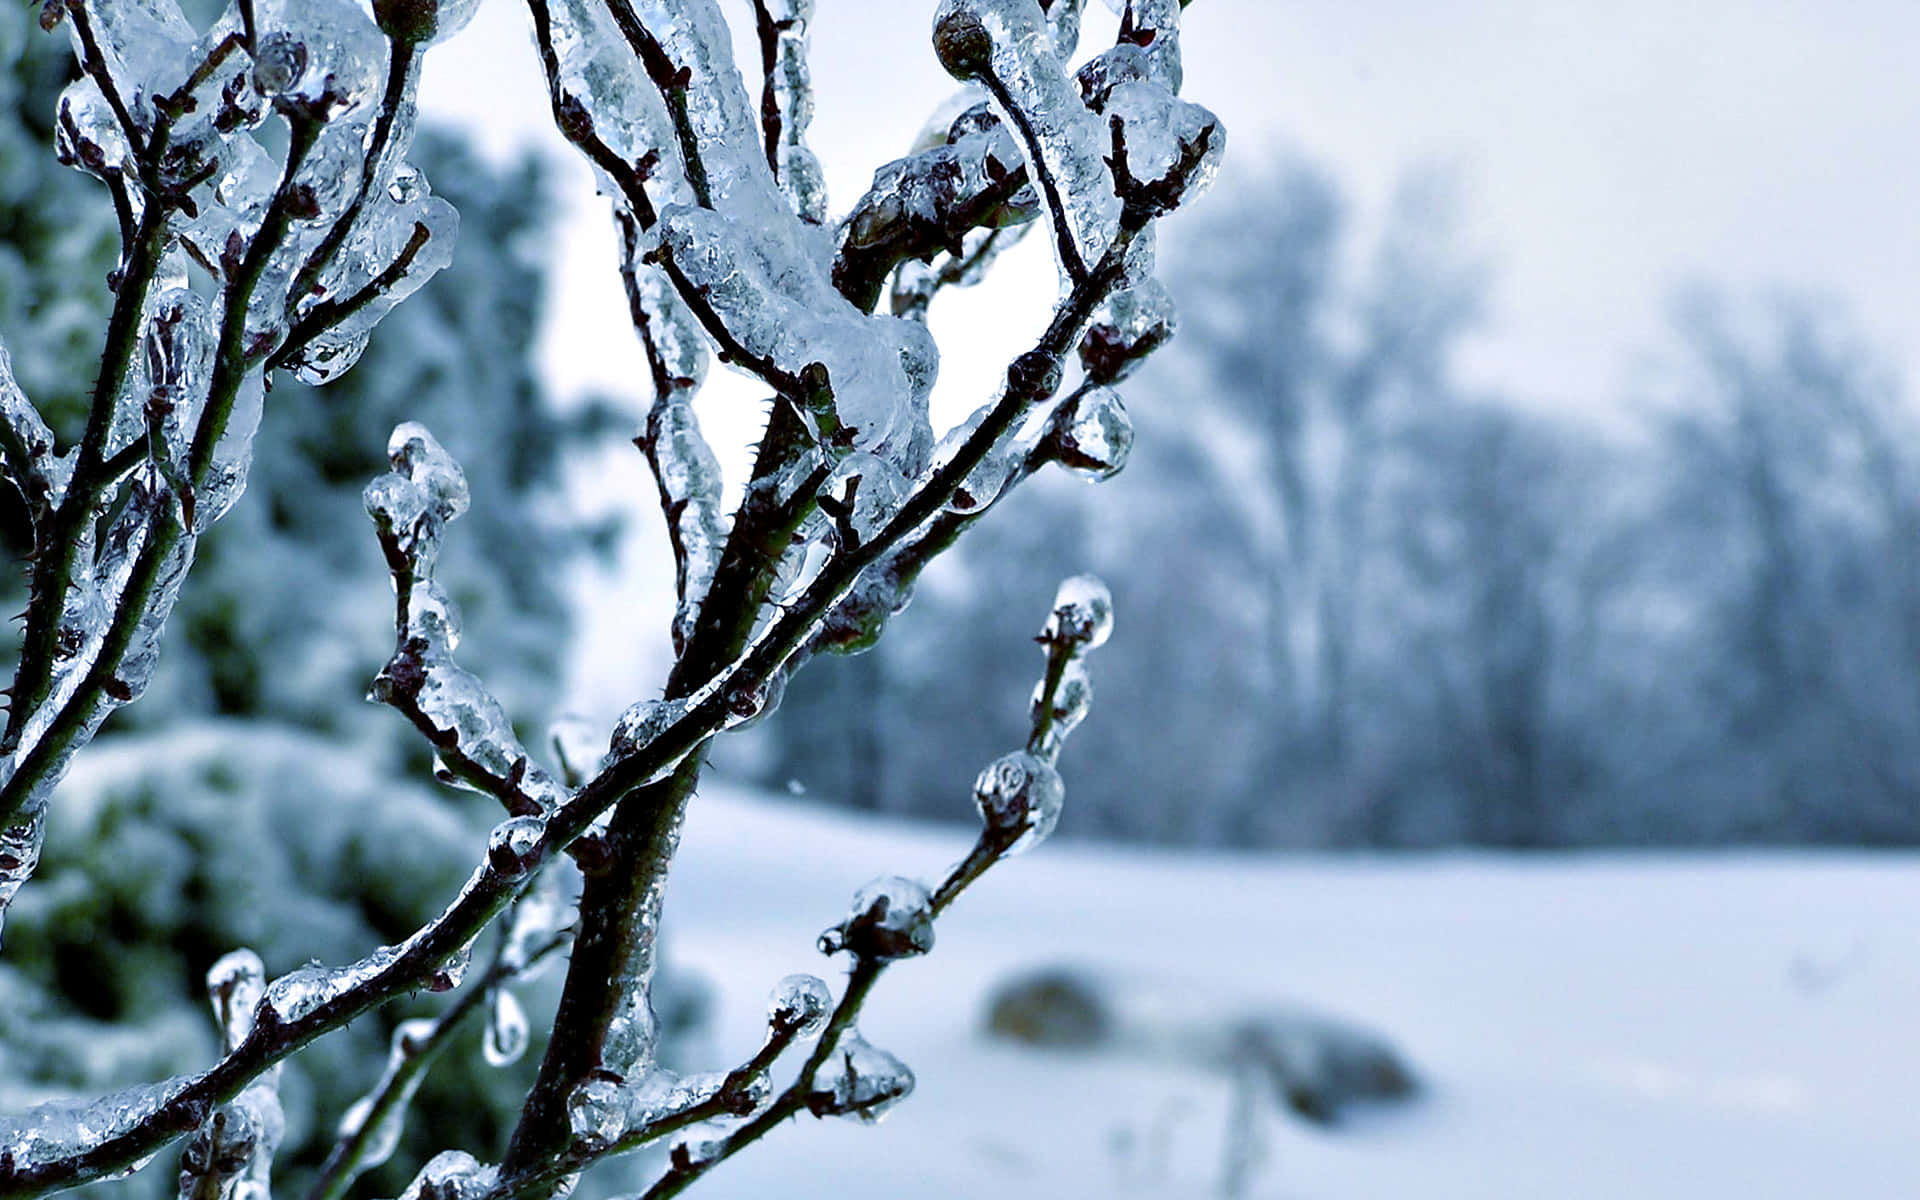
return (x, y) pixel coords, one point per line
(1370, 606)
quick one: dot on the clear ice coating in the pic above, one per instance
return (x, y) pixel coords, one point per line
(47, 1133)
(1072, 696)
(800, 1005)
(1095, 435)
(641, 724)
(506, 1035)
(859, 1080)
(801, 179)
(988, 478)
(891, 918)
(1082, 613)
(231, 1153)
(410, 1039)
(1130, 325)
(411, 505)
(299, 992)
(1019, 796)
(1006, 45)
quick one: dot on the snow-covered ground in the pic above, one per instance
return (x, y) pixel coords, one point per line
(1605, 1026)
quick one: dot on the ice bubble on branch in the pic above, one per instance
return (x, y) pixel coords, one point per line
(891, 918)
(800, 1005)
(596, 1112)
(859, 1080)
(641, 724)
(1094, 434)
(602, 73)
(1082, 613)
(20, 843)
(513, 846)
(450, 1175)
(1005, 45)
(1020, 796)
(410, 1039)
(88, 135)
(506, 1036)
(1154, 26)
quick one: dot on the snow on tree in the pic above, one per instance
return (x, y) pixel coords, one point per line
(269, 219)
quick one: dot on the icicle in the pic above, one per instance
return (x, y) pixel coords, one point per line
(506, 1036)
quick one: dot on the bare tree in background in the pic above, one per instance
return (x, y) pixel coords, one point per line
(269, 219)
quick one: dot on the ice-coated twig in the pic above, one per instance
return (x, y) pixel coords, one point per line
(470, 731)
(786, 104)
(231, 1154)
(28, 444)
(370, 1129)
(1004, 45)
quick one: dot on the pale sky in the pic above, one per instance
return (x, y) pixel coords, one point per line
(1608, 153)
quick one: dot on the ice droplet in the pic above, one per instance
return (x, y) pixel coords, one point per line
(891, 918)
(800, 1003)
(506, 1037)
(1094, 436)
(1019, 796)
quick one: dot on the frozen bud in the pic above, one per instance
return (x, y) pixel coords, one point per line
(892, 918)
(642, 723)
(800, 1004)
(514, 845)
(422, 21)
(416, 454)
(596, 1112)
(961, 40)
(860, 1081)
(1020, 796)
(1082, 613)
(235, 985)
(506, 1036)
(1095, 435)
